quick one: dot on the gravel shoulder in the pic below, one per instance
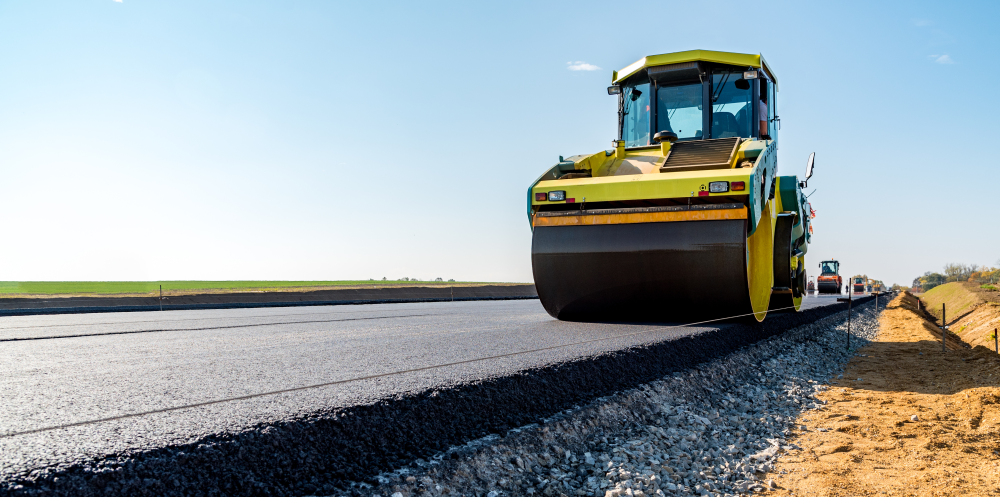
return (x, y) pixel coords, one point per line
(905, 419)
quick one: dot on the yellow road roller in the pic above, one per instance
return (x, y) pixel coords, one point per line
(685, 217)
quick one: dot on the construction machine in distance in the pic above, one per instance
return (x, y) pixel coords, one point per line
(860, 283)
(811, 287)
(829, 280)
(685, 216)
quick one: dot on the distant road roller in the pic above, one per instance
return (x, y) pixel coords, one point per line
(685, 217)
(860, 283)
(830, 280)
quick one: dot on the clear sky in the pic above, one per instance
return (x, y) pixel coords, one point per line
(331, 140)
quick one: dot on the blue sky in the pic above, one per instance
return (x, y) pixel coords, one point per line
(325, 140)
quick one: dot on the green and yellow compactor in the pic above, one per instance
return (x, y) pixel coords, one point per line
(685, 218)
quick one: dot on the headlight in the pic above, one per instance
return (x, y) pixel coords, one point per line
(557, 196)
(718, 186)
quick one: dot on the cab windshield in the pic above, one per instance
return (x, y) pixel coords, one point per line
(679, 109)
(828, 267)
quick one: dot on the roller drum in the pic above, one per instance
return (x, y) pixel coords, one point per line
(659, 271)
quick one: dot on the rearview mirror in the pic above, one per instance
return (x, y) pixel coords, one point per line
(742, 84)
(809, 171)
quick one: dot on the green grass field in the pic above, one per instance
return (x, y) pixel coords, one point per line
(126, 287)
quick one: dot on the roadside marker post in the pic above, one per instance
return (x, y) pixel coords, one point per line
(848, 318)
(944, 326)
(996, 342)
(161, 297)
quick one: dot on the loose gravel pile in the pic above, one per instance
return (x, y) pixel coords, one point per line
(712, 430)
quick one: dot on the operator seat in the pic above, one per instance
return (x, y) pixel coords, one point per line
(743, 120)
(724, 125)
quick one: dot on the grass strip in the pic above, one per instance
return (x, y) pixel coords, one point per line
(148, 287)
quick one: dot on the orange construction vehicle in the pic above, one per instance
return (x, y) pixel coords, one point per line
(860, 284)
(829, 280)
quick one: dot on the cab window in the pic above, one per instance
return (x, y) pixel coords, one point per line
(635, 112)
(732, 112)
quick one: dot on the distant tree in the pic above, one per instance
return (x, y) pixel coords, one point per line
(953, 270)
(959, 272)
(930, 280)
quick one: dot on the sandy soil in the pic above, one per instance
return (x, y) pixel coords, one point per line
(866, 442)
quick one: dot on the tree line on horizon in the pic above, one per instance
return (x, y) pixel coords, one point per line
(985, 276)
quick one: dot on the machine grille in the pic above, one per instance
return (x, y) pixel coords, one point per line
(701, 154)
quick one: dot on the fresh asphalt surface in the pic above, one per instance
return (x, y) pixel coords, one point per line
(74, 387)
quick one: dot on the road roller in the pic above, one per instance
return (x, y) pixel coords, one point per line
(685, 218)
(830, 280)
(860, 282)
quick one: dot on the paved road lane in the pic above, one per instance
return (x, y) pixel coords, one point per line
(69, 371)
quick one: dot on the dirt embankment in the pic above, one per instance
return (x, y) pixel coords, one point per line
(973, 312)
(906, 419)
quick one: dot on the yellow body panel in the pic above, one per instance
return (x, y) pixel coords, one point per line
(642, 217)
(735, 59)
(642, 186)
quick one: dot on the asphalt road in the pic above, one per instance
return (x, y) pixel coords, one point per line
(75, 387)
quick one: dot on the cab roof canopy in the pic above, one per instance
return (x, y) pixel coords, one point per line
(729, 58)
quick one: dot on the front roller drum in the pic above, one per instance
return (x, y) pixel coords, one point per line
(825, 287)
(654, 271)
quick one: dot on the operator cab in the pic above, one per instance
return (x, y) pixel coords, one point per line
(672, 98)
(829, 267)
